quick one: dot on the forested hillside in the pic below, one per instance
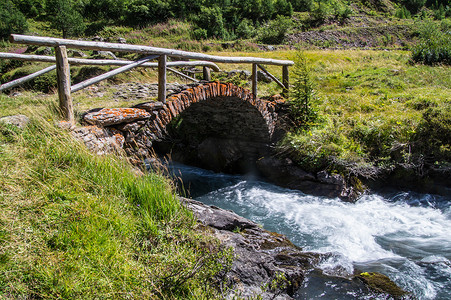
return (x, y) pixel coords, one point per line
(224, 19)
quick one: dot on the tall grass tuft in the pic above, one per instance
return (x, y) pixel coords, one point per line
(74, 225)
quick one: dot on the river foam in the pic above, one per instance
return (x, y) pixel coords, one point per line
(406, 236)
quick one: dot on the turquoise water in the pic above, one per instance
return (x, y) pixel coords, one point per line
(404, 235)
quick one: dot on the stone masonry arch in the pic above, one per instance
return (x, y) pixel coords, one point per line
(240, 126)
(163, 114)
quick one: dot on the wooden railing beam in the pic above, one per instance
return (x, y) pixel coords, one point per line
(107, 62)
(274, 78)
(181, 74)
(27, 78)
(110, 74)
(116, 47)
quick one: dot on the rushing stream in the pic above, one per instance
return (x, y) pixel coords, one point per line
(406, 236)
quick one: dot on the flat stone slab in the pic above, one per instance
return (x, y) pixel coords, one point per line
(113, 116)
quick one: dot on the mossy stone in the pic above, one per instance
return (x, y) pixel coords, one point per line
(382, 284)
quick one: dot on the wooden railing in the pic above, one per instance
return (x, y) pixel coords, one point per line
(161, 54)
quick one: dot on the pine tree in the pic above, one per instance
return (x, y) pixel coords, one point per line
(303, 93)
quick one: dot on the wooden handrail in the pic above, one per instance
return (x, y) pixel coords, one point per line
(110, 74)
(108, 62)
(63, 63)
(148, 50)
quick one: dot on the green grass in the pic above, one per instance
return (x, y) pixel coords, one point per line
(74, 225)
(372, 105)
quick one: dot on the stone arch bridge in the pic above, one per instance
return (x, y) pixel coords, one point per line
(211, 123)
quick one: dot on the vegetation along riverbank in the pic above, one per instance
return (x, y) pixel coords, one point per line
(370, 101)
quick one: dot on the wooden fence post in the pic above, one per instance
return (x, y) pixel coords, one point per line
(285, 81)
(63, 78)
(254, 79)
(206, 73)
(162, 78)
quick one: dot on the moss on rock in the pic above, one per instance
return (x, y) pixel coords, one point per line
(382, 284)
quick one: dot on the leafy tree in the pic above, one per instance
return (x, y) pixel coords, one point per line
(283, 7)
(65, 17)
(11, 19)
(414, 5)
(96, 10)
(245, 29)
(142, 12)
(275, 30)
(302, 5)
(210, 19)
(30, 8)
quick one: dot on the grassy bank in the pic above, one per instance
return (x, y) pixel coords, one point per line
(77, 226)
(377, 113)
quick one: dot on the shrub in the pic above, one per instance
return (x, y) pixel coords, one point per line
(65, 17)
(211, 20)
(434, 133)
(283, 7)
(274, 31)
(245, 29)
(302, 5)
(141, 12)
(403, 13)
(200, 34)
(11, 20)
(435, 44)
(414, 5)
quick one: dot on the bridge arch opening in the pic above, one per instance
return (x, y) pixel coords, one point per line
(223, 133)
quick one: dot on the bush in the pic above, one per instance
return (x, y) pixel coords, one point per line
(245, 29)
(319, 14)
(274, 31)
(11, 19)
(302, 5)
(435, 44)
(414, 5)
(403, 13)
(211, 20)
(141, 12)
(65, 17)
(434, 133)
(283, 7)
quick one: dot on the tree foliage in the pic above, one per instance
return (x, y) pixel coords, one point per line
(65, 17)
(226, 19)
(11, 19)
